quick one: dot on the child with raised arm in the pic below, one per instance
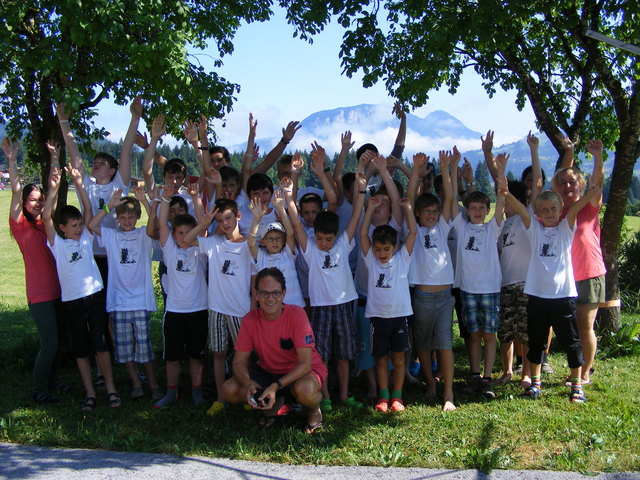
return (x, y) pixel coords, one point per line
(332, 291)
(231, 271)
(83, 301)
(185, 318)
(478, 276)
(279, 248)
(432, 275)
(389, 301)
(550, 284)
(130, 297)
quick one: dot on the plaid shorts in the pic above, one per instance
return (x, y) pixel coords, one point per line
(222, 328)
(513, 314)
(335, 329)
(481, 311)
(131, 336)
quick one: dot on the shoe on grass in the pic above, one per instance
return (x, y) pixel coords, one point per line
(397, 405)
(156, 394)
(532, 392)
(137, 392)
(215, 408)
(351, 402)
(382, 405)
(577, 395)
(546, 368)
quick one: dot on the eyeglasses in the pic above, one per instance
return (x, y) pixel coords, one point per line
(276, 295)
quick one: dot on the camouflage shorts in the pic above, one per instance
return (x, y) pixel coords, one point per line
(513, 314)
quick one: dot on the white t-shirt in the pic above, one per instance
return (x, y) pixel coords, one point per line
(186, 283)
(330, 278)
(244, 224)
(362, 275)
(515, 251)
(77, 270)
(99, 196)
(285, 262)
(478, 265)
(388, 285)
(550, 272)
(130, 286)
(230, 269)
(301, 264)
(431, 260)
(242, 201)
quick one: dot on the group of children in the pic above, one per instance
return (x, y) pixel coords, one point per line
(395, 292)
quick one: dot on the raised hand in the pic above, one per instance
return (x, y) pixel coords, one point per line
(10, 149)
(456, 155)
(318, 156)
(139, 193)
(374, 202)
(61, 112)
(141, 140)
(190, 132)
(467, 171)
(566, 142)
(74, 173)
(361, 181)
(54, 179)
(116, 199)
(420, 160)
(405, 203)
(158, 127)
(397, 109)
(487, 143)
(277, 200)
(286, 184)
(297, 162)
(136, 107)
(213, 176)
(503, 189)
(393, 162)
(54, 151)
(208, 216)
(365, 160)
(501, 162)
(253, 125)
(379, 162)
(289, 132)
(193, 189)
(257, 209)
(444, 161)
(345, 141)
(532, 140)
(595, 147)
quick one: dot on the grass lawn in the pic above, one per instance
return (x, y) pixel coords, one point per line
(509, 432)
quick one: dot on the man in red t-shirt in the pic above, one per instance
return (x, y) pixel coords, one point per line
(283, 339)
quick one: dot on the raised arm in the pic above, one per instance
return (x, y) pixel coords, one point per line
(163, 215)
(594, 192)
(257, 210)
(365, 242)
(158, 129)
(398, 146)
(536, 169)
(445, 162)
(270, 159)
(410, 240)
(198, 208)
(487, 146)
(278, 202)
(517, 205)
(345, 146)
(501, 162)
(318, 166)
(358, 203)
(152, 223)
(596, 149)
(419, 162)
(94, 222)
(191, 238)
(467, 173)
(455, 209)
(301, 235)
(47, 212)
(124, 165)
(297, 164)
(10, 150)
(69, 139)
(569, 151)
(141, 196)
(392, 191)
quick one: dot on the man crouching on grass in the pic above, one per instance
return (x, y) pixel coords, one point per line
(289, 364)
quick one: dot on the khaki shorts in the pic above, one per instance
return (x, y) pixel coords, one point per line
(590, 290)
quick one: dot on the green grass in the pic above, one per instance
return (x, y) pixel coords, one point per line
(510, 432)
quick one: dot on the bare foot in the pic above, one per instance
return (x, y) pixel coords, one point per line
(448, 406)
(526, 381)
(504, 379)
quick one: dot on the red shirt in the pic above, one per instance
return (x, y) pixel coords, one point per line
(276, 341)
(39, 265)
(586, 254)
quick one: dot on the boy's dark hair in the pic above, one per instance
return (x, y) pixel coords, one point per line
(224, 204)
(113, 163)
(382, 190)
(66, 213)
(222, 150)
(229, 173)
(526, 172)
(347, 180)
(284, 160)
(437, 183)
(181, 202)
(184, 219)
(258, 182)
(26, 191)
(426, 200)
(326, 222)
(175, 165)
(519, 190)
(129, 205)
(270, 272)
(384, 234)
(477, 197)
(311, 198)
(364, 148)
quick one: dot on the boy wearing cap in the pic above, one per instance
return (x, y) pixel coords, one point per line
(279, 246)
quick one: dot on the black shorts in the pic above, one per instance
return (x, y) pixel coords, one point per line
(184, 333)
(88, 324)
(389, 335)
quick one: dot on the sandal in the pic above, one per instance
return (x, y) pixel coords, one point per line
(60, 387)
(44, 398)
(114, 400)
(99, 382)
(531, 392)
(577, 396)
(88, 404)
(309, 428)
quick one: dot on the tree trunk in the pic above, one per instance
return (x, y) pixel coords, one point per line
(608, 319)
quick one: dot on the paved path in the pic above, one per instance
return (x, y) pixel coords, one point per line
(30, 462)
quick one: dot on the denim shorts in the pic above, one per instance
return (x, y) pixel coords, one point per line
(433, 320)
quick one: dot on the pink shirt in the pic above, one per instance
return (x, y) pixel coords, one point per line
(586, 253)
(276, 341)
(39, 265)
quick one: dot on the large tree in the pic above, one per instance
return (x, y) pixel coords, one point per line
(82, 51)
(574, 84)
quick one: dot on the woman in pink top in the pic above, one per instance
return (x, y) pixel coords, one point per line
(43, 289)
(588, 264)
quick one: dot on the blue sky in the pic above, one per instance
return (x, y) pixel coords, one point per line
(284, 78)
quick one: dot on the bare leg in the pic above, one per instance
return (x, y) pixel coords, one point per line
(398, 361)
(446, 360)
(382, 372)
(104, 362)
(151, 374)
(586, 318)
(475, 351)
(425, 366)
(506, 356)
(372, 392)
(342, 369)
(489, 352)
(173, 373)
(133, 374)
(325, 388)
(195, 369)
(219, 373)
(85, 374)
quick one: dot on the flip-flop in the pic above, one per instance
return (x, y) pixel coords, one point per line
(309, 429)
(88, 404)
(114, 400)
